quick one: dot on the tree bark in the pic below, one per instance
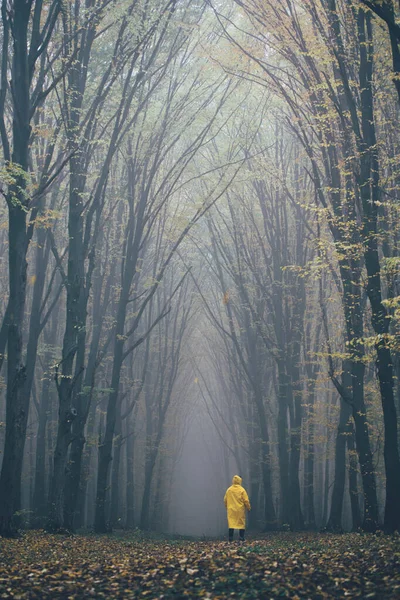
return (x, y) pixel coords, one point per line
(353, 486)
(334, 523)
(130, 479)
(17, 405)
(283, 450)
(115, 516)
(309, 458)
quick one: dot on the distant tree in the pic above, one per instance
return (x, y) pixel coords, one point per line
(159, 388)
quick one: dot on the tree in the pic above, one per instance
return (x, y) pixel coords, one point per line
(386, 11)
(27, 36)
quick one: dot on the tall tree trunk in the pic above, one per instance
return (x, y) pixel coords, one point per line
(40, 496)
(74, 336)
(151, 452)
(309, 460)
(148, 479)
(39, 504)
(334, 523)
(353, 313)
(17, 404)
(115, 516)
(325, 494)
(370, 194)
(353, 486)
(105, 448)
(253, 436)
(156, 522)
(283, 451)
(269, 509)
(326, 473)
(130, 479)
(255, 367)
(296, 515)
(296, 386)
(76, 513)
(29, 46)
(76, 459)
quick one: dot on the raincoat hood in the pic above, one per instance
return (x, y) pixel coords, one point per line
(236, 480)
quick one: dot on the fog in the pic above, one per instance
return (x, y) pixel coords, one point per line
(199, 485)
(199, 267)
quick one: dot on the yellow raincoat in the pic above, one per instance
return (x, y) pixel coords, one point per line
(236, 501)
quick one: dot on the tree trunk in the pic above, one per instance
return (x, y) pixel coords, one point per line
(105, 448)
(370, 196)
(296, 515)
(353, 313)
(309, 510)
(17, 404)
(325, 495)
(148, 477)
(353, 487)
(39, 494)
(151, 452)
(334, 523)
(76, 458)
(115, 517)
(283, 452)
(269, 509)
(130, 480)
(253, 435)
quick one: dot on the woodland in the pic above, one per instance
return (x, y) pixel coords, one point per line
(200, 276)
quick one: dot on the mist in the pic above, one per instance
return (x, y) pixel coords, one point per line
(199, 267)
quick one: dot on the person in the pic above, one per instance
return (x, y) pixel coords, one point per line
(236, 501)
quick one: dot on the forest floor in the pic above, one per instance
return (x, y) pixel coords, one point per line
(287, 565)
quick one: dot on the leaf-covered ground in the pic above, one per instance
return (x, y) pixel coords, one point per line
(294, 566)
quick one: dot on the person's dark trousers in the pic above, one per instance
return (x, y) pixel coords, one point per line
(241, 535)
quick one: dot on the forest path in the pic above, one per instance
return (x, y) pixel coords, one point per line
(287, 565)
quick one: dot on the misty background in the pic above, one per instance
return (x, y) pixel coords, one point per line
(199, 264)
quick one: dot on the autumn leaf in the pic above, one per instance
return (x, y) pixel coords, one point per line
(225, 298)
(286, 565)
